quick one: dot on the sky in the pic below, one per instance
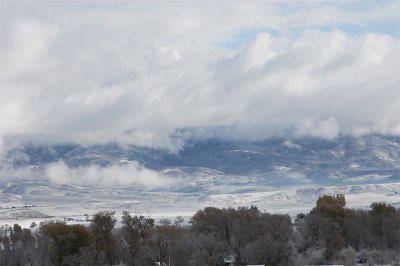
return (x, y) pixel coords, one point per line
(156, 73)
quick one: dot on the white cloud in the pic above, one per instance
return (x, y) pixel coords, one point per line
(10, 173)
(129, 73)
(115, 175)
(124, 174)
(297, 176)
(2, 148)
(327, 129)
(25, 45)
(289, 144)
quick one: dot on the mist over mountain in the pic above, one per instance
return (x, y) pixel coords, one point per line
(272, 162)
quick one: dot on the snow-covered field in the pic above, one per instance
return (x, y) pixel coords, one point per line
(72, 202)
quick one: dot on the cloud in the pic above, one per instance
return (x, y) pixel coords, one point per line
(297, 176)
(289, 144)
(326, 129)
(124, 174)
(130, 174)
(27, 44)
(98, 72)
(2, 148)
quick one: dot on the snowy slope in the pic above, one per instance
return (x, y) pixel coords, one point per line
(277, 175)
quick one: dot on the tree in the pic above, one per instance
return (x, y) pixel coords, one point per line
(382, 209)
(326, 224)
(64, 240)
(102, 227)
(130, 233)
(214, 221)
(165, 221)
(144, 225)
(327, 200)
(385, 223)
(333, 242)
(179, 220)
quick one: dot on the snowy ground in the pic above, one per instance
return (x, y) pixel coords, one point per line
(27, 203)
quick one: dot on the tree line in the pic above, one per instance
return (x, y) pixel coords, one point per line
(329, 233)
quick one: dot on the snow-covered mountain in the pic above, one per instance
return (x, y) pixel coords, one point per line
(277, 175)
(275, 161)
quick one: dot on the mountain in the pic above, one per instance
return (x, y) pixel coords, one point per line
(276, 161)
(274, 172)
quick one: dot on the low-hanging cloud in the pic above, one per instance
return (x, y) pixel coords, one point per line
(111, 74)
(126, 174)
(130, 174)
